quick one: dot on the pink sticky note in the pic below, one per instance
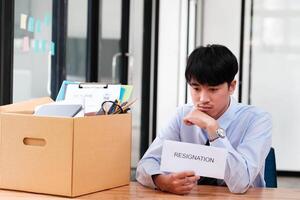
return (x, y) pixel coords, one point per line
(25, 44)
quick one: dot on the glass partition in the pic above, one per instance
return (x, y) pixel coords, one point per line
(76, 40)
(33, 49)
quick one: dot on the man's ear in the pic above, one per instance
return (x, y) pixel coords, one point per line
(232, 86)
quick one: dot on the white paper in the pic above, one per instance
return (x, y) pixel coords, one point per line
(204, 160)
(92, 95)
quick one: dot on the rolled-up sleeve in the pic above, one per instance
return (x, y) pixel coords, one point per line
(150, 163)
(245, 162)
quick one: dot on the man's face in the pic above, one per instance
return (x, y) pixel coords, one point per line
(212, 100)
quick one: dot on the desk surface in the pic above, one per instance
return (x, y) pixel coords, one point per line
(136, 191)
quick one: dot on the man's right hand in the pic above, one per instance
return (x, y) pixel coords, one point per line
(177, 183)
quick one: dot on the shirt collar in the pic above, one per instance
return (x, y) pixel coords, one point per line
(227, 117)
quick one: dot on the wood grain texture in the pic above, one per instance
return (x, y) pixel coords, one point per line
(137, 191)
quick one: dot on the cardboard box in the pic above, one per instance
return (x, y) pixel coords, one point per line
(63, 156)
(25, 106)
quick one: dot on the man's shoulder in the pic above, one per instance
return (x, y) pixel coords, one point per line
(250, 110)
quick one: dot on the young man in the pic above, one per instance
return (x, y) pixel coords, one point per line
(215, 119)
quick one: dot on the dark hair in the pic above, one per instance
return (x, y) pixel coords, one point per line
(211, 65)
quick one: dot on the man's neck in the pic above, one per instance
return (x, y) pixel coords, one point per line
(224, 110)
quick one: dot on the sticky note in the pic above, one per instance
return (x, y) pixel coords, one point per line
(36, 46)
(30, 24)
(25, 45)
(38, 26)
(122, 92)
(52, 48)
(23, 21)
(127, 93)
(43, 46)
(47, 19)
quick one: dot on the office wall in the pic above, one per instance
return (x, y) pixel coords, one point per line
(135, 72)
(171, 58)
(221, 25)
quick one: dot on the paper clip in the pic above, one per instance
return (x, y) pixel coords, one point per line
(92, 85)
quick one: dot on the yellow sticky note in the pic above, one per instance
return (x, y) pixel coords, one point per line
(23, 21)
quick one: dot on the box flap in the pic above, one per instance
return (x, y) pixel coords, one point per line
(25, 106)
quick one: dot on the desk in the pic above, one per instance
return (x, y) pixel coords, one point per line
(136, 191)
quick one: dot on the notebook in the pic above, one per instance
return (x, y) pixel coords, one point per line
(57, 110)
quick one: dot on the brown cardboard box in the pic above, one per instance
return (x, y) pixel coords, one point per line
(25, 106)
(64, 156)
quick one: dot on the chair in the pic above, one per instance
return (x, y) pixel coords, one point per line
(270, 170)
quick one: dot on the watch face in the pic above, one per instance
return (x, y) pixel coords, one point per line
(220, 132)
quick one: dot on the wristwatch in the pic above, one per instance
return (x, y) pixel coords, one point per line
(220, 133)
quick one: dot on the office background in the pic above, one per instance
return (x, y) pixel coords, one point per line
(146, 43)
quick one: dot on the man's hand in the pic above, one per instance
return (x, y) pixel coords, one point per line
(177, 183)
(202, 120)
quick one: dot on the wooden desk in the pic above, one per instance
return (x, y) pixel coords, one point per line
(136, 191)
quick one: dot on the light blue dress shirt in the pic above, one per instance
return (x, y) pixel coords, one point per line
(248, 142)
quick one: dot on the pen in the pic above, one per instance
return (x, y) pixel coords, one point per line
(126, 106)
(113, 107)
(118, 108)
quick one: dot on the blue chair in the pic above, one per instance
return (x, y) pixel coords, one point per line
(270, 170)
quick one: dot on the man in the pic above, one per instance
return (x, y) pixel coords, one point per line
(216, 119)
